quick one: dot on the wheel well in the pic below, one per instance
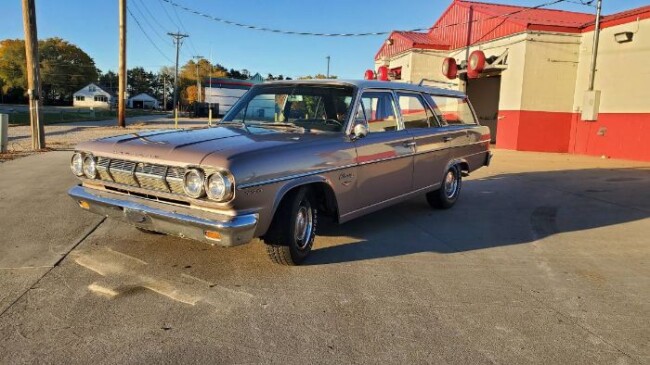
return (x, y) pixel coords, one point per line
(324, 196)
(464, 166)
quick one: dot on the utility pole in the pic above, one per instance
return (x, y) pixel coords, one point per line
(33, 75)
(198, 79)
(594, 56)
(328, 66)
(178, 41)
(121, 88)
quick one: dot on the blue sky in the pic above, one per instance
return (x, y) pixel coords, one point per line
(92, 25)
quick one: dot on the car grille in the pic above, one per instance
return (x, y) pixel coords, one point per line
(168, 179)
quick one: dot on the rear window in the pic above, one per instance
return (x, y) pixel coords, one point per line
(452, 110)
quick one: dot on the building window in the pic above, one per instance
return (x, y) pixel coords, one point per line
(92, 89)
(101, 98)
(395, 73)
(79, 98)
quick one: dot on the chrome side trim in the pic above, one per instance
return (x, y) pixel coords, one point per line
(291, 177)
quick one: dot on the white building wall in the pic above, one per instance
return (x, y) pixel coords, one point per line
(549, 77)
(622, 69)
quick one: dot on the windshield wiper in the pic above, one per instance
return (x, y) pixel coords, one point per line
(276, 125)
(234, 122)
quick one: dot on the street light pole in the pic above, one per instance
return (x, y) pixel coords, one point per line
(198, 79)
(328, 66)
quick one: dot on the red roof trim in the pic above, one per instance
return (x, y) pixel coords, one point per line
(623, 17)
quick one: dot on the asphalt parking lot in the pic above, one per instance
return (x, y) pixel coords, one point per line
(545, 259)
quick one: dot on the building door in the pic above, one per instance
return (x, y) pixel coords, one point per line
(484, 95)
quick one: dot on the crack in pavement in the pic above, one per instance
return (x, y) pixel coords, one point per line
(83, 237)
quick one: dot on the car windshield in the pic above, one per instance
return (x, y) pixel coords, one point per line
(312, 107)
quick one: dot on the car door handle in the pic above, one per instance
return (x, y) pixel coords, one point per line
(409, 144)
(447, 139)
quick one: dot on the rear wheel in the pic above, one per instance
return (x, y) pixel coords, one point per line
(292, 232)
(447, 195)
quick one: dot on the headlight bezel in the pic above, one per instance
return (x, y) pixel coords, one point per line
(228, 186)
(80, 171)
(93, 162)
(201, 176)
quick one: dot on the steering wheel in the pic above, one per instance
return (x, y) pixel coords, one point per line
(334, 122)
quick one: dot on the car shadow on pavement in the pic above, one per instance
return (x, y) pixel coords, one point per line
(499, 210)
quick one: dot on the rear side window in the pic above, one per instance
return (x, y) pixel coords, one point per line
(415, 113)
(453, 110)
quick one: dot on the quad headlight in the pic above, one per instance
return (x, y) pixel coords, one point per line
(193, 183)
(76, 164)
(90, 167)
(219, 187)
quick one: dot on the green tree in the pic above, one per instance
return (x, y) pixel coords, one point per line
(109, 81)
(140, 81)
(12, 70)
(64, 69)
(317, 77)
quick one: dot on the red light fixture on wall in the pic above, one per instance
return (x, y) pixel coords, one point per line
(475, 63)
(369, 75)
(382, 73)
(450, 68)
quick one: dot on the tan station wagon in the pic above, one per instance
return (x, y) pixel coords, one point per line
(286, 153)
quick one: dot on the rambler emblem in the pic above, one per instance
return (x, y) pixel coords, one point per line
(346, 178)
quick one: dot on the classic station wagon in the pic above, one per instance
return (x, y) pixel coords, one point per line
(286, 153)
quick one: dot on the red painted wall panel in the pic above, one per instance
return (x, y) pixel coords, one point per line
(622, 135)
(615, 135)
(525, 130)
(508, 126)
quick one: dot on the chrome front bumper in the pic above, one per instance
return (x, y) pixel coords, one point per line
(155, 216)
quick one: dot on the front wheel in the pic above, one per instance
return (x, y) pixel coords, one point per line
(292, 232)
(447, 195)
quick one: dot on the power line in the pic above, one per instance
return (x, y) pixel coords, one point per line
(184, 30)
(147, 35)
(162, 5)
(146, 20)
(363, 34)
(175, 25)
(155, 19)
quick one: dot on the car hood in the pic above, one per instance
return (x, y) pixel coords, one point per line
(190, 146)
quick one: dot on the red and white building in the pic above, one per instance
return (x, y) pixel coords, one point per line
(532, 90)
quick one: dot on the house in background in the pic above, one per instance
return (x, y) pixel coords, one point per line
(143, 101)
(93, 95)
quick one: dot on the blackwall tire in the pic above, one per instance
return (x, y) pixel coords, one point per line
(447, 195)
(292, 232)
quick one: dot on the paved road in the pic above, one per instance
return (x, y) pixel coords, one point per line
(545, 259)
(67, 135)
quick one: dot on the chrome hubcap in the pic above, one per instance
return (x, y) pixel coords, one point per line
(304, 225)
(451, 184)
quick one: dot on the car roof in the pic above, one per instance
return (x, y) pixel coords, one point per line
(370, 84)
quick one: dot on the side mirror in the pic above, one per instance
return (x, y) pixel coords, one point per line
(360, 130)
